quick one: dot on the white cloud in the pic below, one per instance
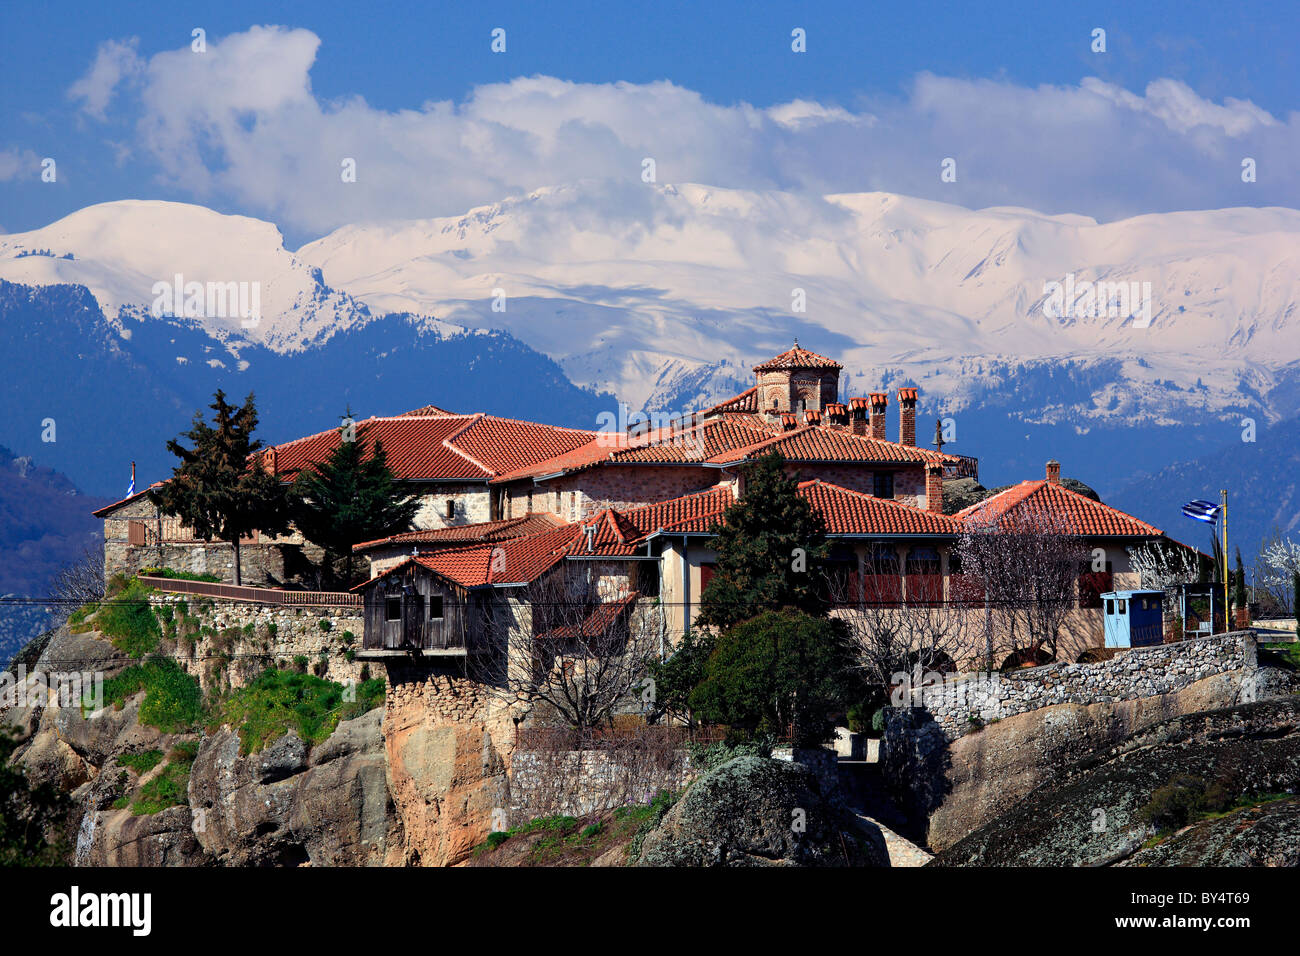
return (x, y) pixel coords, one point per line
(17, 164)
(116, 62)
(242, 124)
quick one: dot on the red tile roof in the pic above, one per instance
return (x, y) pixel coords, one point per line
(693, 445)
(797, 358)
(440, 446)
(482, 532)
(598, 622)
(816, 443)
(851, 512)
(1082, 515)
(746, 403)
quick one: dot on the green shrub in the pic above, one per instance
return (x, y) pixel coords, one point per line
(172, 700)
(1176, 804)
(326, 624)
(280, 700)
(129, 622)
(171, 787)
(142, 762)
(174, 575)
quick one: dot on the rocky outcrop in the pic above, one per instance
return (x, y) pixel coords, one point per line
(1092, 813)
(753, 811)
(447, 744)
(1264, 835)
(951, 788)
(120, 838)
(286, 806)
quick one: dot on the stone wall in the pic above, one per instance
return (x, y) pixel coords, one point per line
(968, 701)
(235, 643)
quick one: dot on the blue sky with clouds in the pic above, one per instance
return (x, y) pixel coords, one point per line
(437, 123)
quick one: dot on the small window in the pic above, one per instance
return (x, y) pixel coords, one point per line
(1110, 606)
(1123, 607)
(451, 507)
(392, 609)
(883, 484)
(435, 607)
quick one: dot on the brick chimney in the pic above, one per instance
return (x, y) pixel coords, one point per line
(879, 403)
(789, 422)
(858, 415)
(837, 415)
(934, 487)
(907, 416)
(1054, 471)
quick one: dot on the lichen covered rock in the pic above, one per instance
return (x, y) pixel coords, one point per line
(754, 811)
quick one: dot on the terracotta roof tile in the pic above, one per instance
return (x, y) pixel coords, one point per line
(1083, 516)
(430, 447)
(481, 532)
(817, 443)
(852, 512)
(797, 358)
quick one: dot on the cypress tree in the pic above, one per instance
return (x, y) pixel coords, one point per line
(217, 490)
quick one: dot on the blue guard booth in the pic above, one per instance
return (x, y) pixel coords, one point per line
(1133, 618)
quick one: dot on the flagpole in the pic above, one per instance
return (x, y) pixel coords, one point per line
(1223, 498)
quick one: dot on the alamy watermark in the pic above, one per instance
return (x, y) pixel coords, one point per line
(208, 300)
(69, 689)
(627, 429)
(1085, 299)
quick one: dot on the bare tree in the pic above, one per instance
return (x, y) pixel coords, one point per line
(1165, 565)
(1028, 562)
(891, 628)
(1275, 571)
(571, 649)
(80, 582)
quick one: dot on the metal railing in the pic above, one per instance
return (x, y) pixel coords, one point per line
(239, 592)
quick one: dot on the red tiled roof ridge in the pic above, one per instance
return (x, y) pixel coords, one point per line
(797, 357)
(729, 457)
(1019, 493)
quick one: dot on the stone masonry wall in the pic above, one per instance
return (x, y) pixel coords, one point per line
(1135, 673)
(235, 643)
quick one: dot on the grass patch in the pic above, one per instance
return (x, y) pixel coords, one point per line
(172, 700)
(280, 700)
(171, 787)
(142, 762)
(125, 618)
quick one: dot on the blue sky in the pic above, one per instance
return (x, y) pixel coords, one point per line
(1014, 92)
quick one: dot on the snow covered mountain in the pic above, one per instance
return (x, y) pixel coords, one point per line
(635, 289)
(664, 296)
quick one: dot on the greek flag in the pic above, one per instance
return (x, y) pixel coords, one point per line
(1200, 510)
(131, 489)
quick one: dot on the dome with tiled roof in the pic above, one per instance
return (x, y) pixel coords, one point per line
(797, 358)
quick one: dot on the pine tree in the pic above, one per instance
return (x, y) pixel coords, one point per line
(350, 497)
(217, 490)
(770, 545)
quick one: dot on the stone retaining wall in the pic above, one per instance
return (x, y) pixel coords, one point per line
(238, 630)
(968, 701)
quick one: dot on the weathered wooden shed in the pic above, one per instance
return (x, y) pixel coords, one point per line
(411, 609)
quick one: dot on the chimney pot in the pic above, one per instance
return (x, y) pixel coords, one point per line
(858, 415)
(1054, 471)
(788, 421)
(907, 416)
(879, 404)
